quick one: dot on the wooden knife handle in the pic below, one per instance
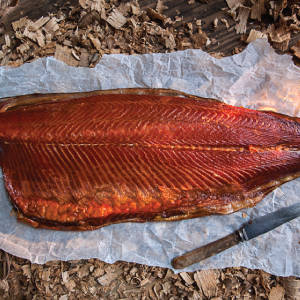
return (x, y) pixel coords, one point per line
(206, 251)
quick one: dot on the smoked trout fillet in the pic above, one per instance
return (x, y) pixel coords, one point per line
(85, 160)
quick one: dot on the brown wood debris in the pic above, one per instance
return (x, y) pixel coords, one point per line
(255, 34)
(116, 19)
(97, 27)
(285, 13)
(242, 19)
(94, 279)
(296, 49)
(79, 36)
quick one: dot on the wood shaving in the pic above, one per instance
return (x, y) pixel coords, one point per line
(276, 293)
(64, 54)
(187, 278)
(20, 23)
(224, 21)
(233, 4)
(51, 26)
(292, 287)
(280, 37)
(38, 24)
(106, 279)
(207, 281)
(7, 40)
(95, 42)
(154, 15)
(96, 5)
(243, 15)
(258, 9)
(255, 34)
(216, 21)
(160, 6)
(296, 50)
(135, 9)
(116, 19)
(170, 41)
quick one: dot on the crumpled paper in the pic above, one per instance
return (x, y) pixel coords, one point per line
(256, 78)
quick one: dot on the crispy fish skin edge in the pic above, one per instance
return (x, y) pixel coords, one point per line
(11, 103)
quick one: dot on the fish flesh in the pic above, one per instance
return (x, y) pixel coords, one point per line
(85, 160)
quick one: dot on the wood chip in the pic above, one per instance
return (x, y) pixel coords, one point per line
(26, 271)
(258, 9)
(276, 293)
(70, 285)
(106, 279)
(170, 41)
(160, 7)
(280, 37)
(95, 42)
(255, 34)
(40, 38)
(116, 19)
(90, 18)
(292, 287)
(216, 21)
(96, 5)
(65, 276)
(64, 54)
(20, 23)
(46, 274)
(135, 9)
(7, 40)
(52, 26)
(4, 285)
(242, 19)
(296, 49)
(186, 277)
(38, 24)
(207, 282)
(224, 21)
(234, 3)
(154, 15)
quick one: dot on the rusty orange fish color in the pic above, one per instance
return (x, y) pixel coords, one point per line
(82, 161)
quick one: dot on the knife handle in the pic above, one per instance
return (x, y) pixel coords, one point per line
(206, 251)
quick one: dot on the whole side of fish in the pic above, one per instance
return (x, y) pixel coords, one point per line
(85, 160)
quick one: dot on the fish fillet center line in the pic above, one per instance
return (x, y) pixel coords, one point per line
(249, 148)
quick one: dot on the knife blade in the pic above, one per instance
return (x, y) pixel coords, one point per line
(247, 232)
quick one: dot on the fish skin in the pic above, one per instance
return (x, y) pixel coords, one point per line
(83, 161)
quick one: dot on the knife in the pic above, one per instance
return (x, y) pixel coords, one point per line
(247, 232)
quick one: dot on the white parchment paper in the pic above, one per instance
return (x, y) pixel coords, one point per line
(256, 78)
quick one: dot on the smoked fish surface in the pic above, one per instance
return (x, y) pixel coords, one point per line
(85, 160)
